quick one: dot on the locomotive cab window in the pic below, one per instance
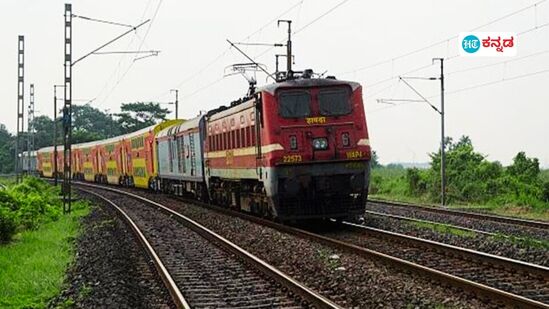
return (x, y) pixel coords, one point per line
(294, 104)
(334, 102)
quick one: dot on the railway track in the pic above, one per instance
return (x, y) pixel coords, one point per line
(464, 214)
(498, 279)
(502, 281)
(200, 268)
(517, 280)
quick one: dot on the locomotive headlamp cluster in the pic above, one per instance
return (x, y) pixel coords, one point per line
(320, 143)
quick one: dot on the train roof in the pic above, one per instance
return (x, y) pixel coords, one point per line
(186, 125)
(306, 82)
(50, 149)
(154, 128)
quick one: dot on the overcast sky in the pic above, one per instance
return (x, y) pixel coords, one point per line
(509, 114)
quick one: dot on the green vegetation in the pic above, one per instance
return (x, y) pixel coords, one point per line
(443, 228)
(26, 206)
(89, 124)
(520, 189)
(37, 243)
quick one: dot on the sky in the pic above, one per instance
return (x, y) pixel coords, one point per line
(500, 103)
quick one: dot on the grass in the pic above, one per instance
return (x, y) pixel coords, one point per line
(443, 229)
(389, 183)
(32, 266)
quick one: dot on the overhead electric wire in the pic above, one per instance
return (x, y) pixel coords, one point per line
(495, 82)
(302, 28)
(449, 58)
(306, 26)
(118, 67)
(226, 50)
(415, 51)
(320, 17)
(497, 63)
(139, 49)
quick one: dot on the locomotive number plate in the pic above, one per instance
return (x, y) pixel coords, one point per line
(354, 154)
(292, 159)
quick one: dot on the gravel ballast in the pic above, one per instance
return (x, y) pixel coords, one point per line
(514, 249)
(472, 223)
(110, 269)
(347, 279)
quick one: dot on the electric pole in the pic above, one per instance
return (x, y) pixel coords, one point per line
(30, 128)
(67, 111)
(289, 73)
(176, 102)
(442, 142)
(67, 108)
(20, 103)
(440, 112)
(55, 172)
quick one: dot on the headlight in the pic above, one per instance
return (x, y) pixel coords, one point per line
(320, 143)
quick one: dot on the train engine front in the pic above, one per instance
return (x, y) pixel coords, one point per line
(316, 163)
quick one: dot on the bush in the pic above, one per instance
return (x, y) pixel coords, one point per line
(546, 191)
(470, 178)
(27, 205)
(8, 223)
(7, 200)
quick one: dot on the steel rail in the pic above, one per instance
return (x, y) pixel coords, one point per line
(492, 259)
(296, 287)
(476, 288)
(469, 214)
(167, 279)
(457, 227)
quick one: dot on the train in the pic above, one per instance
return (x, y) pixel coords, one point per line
(290, 150)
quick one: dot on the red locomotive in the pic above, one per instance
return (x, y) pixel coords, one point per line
(293, 149)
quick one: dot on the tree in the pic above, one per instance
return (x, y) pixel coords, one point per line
(90, 123)
(7, 150)
(462, 171)
(524, 168)
(43, 135)
(139, 115)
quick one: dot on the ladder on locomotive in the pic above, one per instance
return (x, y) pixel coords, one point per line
(192, 154)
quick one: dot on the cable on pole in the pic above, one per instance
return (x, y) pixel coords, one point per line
(101, 21)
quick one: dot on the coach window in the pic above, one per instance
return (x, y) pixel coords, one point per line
(334, 102)
(252, 135)
(294, 104)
